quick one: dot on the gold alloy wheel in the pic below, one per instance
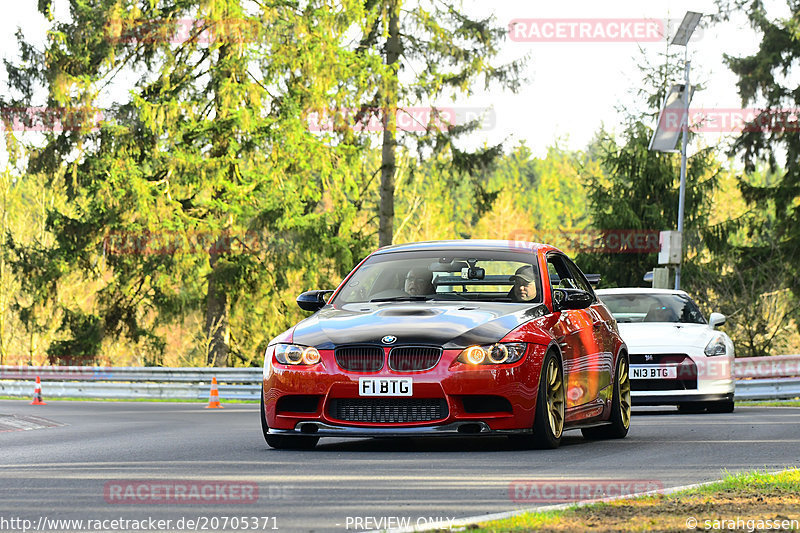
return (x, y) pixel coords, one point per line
(624, 393)
(555, 398)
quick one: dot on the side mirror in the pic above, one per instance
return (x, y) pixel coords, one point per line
(313, 300)
(716, 319)
(571, 299)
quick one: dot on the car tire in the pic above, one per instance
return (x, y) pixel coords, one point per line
(620, 419)
(548, 424)
(722, 406)
(284, 442)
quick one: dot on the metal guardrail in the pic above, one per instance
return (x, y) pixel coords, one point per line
(776, 366)
(758, 378)
(767, 389)
(133, 374)
(131, 382)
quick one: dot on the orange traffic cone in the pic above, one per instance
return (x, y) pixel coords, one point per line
(213, 400)
(37, 393)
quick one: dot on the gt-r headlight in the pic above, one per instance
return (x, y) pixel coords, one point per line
(292, 354)
(716, 346)
(493, 354)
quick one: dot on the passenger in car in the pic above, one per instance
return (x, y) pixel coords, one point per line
(419, 282)
(524, 289)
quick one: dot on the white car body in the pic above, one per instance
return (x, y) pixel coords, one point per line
(669, 359)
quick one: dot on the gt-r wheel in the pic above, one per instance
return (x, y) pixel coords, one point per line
(285, 442)
(549, 422)
(620, 406)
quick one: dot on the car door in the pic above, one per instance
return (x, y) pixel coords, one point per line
(601, 357)
(585, 371)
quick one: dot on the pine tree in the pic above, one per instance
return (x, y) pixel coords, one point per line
(764, 83)
(637, 189)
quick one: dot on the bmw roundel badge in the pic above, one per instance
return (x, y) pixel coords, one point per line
(388, 339)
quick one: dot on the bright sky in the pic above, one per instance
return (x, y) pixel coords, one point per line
(574, 86)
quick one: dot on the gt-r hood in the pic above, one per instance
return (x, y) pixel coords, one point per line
(657, 334)
(449, 324)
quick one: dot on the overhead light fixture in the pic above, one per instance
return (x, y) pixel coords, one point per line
(687, 27)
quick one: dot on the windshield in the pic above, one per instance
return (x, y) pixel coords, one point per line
(435, 275)
(653, 308)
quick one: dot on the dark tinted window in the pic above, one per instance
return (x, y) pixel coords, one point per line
(653, 308)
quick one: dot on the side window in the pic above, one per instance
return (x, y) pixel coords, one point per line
(577, 276)
(560, 276)
(555, 279)
(565, 275)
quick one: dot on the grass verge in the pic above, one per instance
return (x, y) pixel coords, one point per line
(749, 501)
(769, 403)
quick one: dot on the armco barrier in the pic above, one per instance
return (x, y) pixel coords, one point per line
(758, 378)
(131, 382)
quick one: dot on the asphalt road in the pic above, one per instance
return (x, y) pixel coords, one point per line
(90, 460)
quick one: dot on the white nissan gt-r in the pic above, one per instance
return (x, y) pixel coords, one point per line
(676, 356)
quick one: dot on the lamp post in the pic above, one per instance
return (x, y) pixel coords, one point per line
(664, 141)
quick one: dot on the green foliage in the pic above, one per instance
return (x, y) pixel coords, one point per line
(430, 50)
(763, 82)
(638, 189)
(212, 141)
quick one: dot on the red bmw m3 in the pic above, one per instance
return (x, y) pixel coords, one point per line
(450, 338)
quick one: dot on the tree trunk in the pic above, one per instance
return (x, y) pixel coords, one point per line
(390, 98)
(217, 328)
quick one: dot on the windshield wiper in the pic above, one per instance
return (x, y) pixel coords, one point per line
(403, 299)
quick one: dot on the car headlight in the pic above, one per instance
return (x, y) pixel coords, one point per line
(292, 354)
(493, 354)
(716, 346)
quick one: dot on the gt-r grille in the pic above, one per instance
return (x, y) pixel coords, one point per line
(414, 358)
(360, 358)
(388, 410)
(686, 372)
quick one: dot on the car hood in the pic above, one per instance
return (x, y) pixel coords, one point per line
(657, 334)
(449, 324)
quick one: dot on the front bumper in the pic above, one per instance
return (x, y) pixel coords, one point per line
(699, 379)
(452, 383)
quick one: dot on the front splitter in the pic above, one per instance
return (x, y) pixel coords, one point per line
(455, 429)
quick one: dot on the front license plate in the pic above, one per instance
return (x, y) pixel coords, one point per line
(653, 372)
(385, 386)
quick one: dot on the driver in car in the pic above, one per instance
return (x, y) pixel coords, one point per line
(419, 282)
(524, 289)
